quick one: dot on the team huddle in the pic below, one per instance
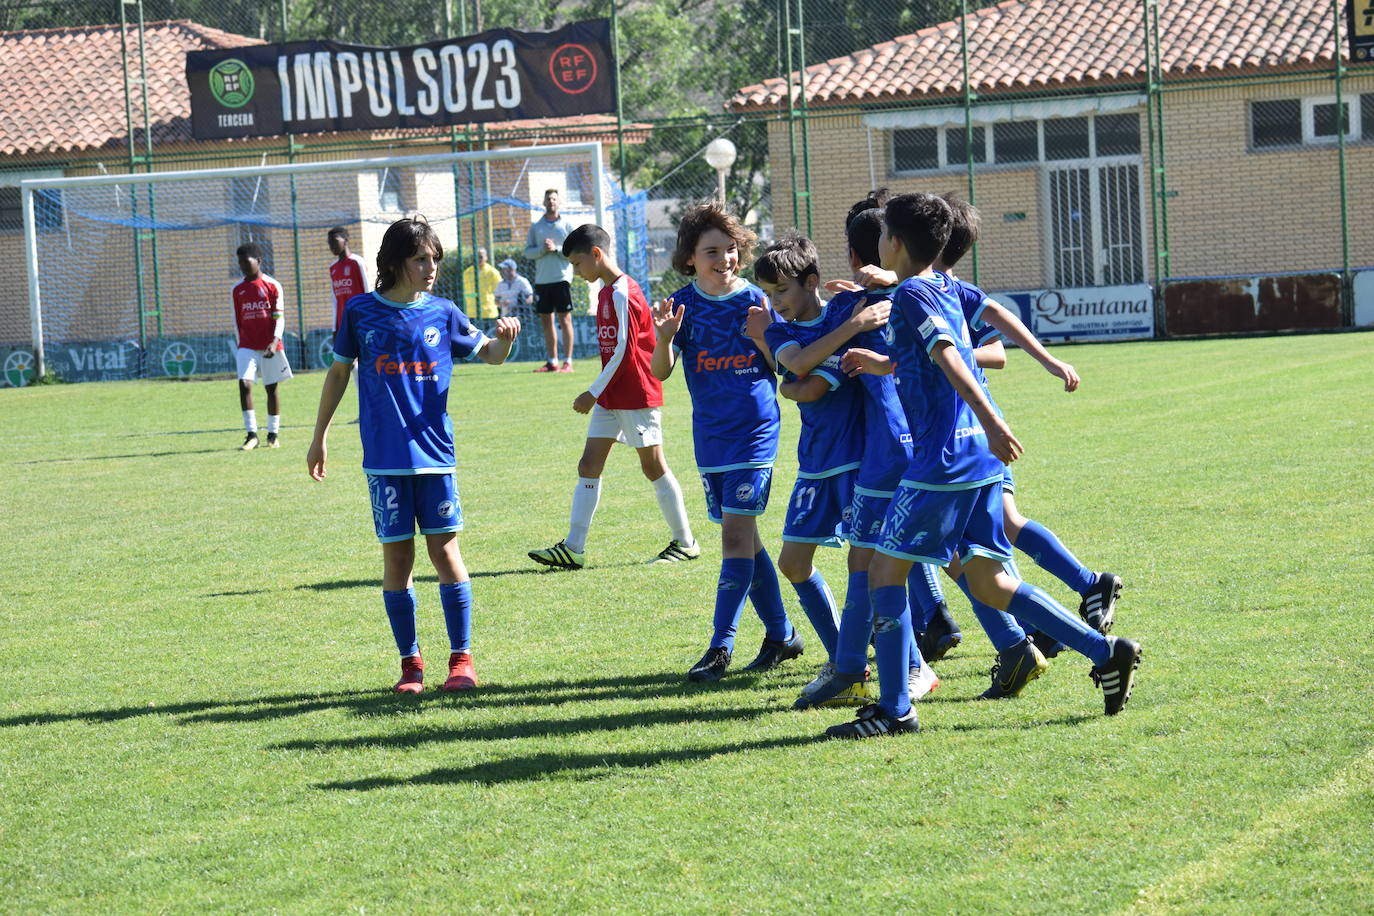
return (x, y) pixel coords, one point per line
(902, 453)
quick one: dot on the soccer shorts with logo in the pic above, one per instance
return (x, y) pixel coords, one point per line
(636, 428)
(743, 491)
(252, 364)
(820, 509)
(931, 526)
(401, 500)
(866, 513)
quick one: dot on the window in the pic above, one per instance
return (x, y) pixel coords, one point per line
(1016, 141)
(915, 149)
(389, 191)
(47, 207)
(954, 145)
(1275, 124)
(1117, 135)
(502, 234)
(1066, 138)
(1319, 120)
(1367, 116)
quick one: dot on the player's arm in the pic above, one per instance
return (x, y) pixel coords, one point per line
(858, 361)
(667, 322)
(585, 400)
(534, 248)
(805, 390)
(335, 384)
(991, 355)
(1001, 318)
(1000, 439)
(865, 316)
(278, 319)
(496, 349)
(756, 324)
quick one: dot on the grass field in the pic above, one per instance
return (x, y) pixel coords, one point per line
(194, 712)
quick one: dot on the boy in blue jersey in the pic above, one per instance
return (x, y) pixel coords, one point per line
(405, 340)
(830, 446)
(949, 502)
(734, 425)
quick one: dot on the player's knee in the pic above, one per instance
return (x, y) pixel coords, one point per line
(794, 567)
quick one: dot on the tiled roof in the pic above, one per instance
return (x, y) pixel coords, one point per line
(64, 88)
(1028, 45)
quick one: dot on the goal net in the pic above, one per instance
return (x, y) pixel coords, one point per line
(130, 275)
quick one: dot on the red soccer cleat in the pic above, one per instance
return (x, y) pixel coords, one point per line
(547, 367)
(461, 675)
(412, 675)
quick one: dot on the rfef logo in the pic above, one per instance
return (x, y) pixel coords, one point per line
(231, 83)
(179, 360)
(19, 368)
(431, 336)
(572, 68)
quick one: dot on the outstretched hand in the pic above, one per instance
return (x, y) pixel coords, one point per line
(869, 316)
(757, 321)
(842, 286)
(871, 276)
(667, 320)
(507, 328)
(858, 361)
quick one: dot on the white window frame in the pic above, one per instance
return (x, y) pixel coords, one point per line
(1309, 119)
(990, 162)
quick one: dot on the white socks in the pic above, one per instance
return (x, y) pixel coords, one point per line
(585, 498)
(250, 421)
(273, 423)
(669, 496)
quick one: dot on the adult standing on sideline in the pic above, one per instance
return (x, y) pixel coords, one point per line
(514, 291)
(552, 281)
(479, 287)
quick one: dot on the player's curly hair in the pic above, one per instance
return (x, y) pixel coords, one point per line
(402, 240)
(701, 219)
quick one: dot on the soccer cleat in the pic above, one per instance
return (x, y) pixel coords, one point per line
(773, 653)
(712, 665)
(1098, 607)
(250, 442)
(874, 722)
(830, 688)
(675, 552)
(1014, 669)
(921, 681)
(941, 635)
(560, 556)
(461, 675)
(566, 367)
(547, 367)
(272, 441)
(1048, 645)
(412, 675)
(1117, 677)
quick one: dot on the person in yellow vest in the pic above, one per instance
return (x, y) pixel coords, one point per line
(479, 287)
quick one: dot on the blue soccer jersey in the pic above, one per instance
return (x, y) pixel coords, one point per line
(950, 449)
(405, 354)
(831, 439)
(973, 302)
(887, 440)
(735, 415)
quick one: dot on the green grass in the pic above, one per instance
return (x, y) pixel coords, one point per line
(194, 716)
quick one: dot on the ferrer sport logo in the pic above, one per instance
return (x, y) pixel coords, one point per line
(231, 83)
(179, 360)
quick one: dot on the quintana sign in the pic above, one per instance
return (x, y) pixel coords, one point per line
(312, 86)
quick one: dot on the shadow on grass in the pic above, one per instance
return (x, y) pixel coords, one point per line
(178, 454)
(572, 766)
(475, 574)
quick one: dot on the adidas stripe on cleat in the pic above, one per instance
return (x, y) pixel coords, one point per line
(874, 722)
(676, 552)
(559, 556)
(1098, 607)
(1117, 677)
(1014, 669)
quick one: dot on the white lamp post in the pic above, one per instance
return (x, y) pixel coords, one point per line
(720, 155)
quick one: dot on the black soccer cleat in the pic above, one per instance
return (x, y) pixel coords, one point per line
(1014, 669)
(1098, 607)
(773, 653)
(272, 441)
(1048, 645)
(1117, 677)
(874, 722)
(941, 636)
(712, 665)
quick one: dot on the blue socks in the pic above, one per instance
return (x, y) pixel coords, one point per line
(892, 641)
(733, 587)
(1039, 543)
(1003, 632)
(923, 587)
(766, 596)
(819, 605)
(400, 611)
(457, 602)
(856, 625)
(1037, 608)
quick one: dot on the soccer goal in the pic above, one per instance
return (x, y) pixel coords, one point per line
(129, 276)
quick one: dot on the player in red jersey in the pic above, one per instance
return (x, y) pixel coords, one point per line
(347, 274)
(260, 322)
(623, 401)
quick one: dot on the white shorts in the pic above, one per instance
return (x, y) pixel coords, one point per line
(636, 428)
(272, 368)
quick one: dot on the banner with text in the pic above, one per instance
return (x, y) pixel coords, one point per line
(1090, 313)
(314, 86)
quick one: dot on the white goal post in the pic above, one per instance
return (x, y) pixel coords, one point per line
(75, 203)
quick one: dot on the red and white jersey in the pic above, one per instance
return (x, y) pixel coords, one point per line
(348, 277)
(625, 334)
(257, 311)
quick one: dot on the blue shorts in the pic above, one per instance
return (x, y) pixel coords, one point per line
(866, 513)
(743, 491)
(819, 510)
(931, 526)
(401, 500)
(1008, 484)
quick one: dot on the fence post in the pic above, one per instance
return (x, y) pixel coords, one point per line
(1347, 293)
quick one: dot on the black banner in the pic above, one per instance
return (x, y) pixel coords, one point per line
(1360, 20)
(312, 86)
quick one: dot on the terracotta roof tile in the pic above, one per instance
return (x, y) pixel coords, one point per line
(1020, 45)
